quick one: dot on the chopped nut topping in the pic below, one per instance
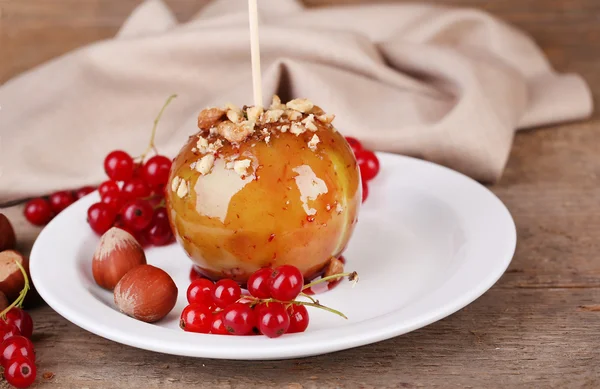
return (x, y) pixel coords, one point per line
(300, 105)
(339, 209)
(297, 129)
(209, 117)
(235, 116)
(254, 113)
(309, 122)
(313, 142)
(193, 165)
(241, 167)
(215, 146)
(293, 115)
(276, 103)
(234, 133)
(328, 207)
(326, 118)
(202, 144)
(273, 115)
(284, 128)
(205, 164)
(175, 183)
(182, 191)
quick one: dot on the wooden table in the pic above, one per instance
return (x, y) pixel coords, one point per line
(539, 327)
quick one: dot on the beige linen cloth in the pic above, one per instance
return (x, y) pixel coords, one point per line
(447, 85)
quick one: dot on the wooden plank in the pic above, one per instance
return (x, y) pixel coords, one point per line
(527, 331)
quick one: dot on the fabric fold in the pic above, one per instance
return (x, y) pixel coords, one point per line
(445, 84)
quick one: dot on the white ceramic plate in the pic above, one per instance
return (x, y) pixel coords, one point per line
(429, 241)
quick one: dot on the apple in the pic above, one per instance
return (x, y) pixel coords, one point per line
(276, 197)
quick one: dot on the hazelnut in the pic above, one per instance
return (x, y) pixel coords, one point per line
(146, 293)
(11, 278)
(117, 253)
(7, 234)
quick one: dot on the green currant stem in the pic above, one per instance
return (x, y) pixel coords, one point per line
(351, 276)
(315, 304)
(151, 146)
(19, 301)
(311, 298)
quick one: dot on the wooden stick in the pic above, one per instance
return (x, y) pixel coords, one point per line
(255, 52)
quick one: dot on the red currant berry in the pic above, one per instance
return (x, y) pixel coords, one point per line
(298, 318)
(60, 200)
(38, 212)
(137, 214)
(365, 191)
(258, 283)
(16, 346)
(368, 163)
(226, 293)
(118, 165)
(196, 318)
(201, 291)
(156, 170)
(21, 319)
(286, 283)
(239, 319)
(20, 372)
(8, 330)
(194, 275)
(115, 201)
(273, 320)
(109, 187)
(101, 217)
(135, 188)
(354, 144)
(217, 327)
(159, 232)
(84, 191)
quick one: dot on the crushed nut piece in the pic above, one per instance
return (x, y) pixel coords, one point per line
(326, 118)
(297, 129)
(193, 165)
(293, 115)
(182, 191)
(209, 117)
(213, 130)
(335, 266)
(205, 164)
(312, 144)
(254, 113)
(285, 128)
(202, 144)
(328, 207)
(273, 115)
(241, 167)
(235, 133)
(175, 183)
(300, 105)
(276, 103)
(339, 209)
(215, 146)
(268, 138)
(234, 116)
(309, 122)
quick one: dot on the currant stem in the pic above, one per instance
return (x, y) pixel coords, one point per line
(351, 276)
(19, 300)
(311, 298)
(320, 307)
(151, 145)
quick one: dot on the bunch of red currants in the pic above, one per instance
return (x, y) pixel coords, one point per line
(133, 198)
(40, 211)
(270, 308)
(17, 353)
(367, 162)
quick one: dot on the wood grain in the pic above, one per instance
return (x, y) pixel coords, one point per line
(538, 327)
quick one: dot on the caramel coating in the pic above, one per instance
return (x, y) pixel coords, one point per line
(294, 205)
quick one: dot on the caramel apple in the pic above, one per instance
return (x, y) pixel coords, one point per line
(258, 188)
